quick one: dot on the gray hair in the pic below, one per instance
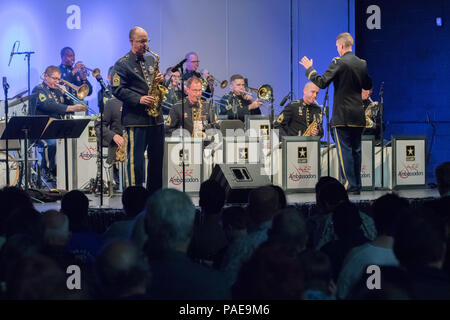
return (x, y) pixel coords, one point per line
(169, 219)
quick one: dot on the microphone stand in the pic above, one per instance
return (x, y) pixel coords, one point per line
(5, 88)
(182, 129)
(381, 138)
(327, 114)
(271, 137)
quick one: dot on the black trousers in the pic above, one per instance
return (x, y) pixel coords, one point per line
(141, 139)
(348, 144)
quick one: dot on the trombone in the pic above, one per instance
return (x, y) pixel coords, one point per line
(82, 91)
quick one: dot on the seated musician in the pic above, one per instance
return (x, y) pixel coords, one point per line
(192, 64)
(373, 115)
(112, 133)
(192, 107)
(298, 115)
(238, 103)
(173, 83)
(51, 101)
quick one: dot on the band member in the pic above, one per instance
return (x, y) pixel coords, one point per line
(51, 101)
(191, 108)
(112, 132)
(299, 115)
(104, 95)
(349, 75)
(192, 65)
(238, 103)
(373, 115)
(173, 83)
(133, 75)
(75, 74)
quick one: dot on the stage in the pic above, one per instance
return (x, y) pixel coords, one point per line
(101, 217)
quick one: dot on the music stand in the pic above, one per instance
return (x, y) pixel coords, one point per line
(25, 127)
(64, 129)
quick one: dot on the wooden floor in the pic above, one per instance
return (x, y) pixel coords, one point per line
(115, 201)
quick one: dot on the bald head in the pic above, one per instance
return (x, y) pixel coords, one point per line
(122, 268)
(138, 40)
(310, 92)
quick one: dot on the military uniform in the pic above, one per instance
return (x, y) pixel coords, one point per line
(53, 103)
(208, 91)
(209, 118)
(349, 75)
(296, 118)
(236, 107)
(131, 79)
(173, 96)
(75, 79)
(112, 125)
(103, 97)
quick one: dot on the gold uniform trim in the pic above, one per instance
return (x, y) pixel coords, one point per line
(132, 174)
(340, 158)
(311, 73)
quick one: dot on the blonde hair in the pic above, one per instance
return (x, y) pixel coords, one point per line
(346, 38)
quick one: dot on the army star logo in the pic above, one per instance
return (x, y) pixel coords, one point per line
(243, 154)
(410, 153)
(302, 154)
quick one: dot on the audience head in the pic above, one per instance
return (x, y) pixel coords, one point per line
(388, 210)
(122, 270)
(234, 221)
(443, 178)
(346, 220)
(134, 199)
(36, 277)
(270, 274)
(282, 201)
(318, 271)
(263, 203)
(420, 240)
(212, 197)
(56, 228)
(12, 198)
(24, 221)
(289, 228)
(168, 222)
(75, 206)
(329, 193)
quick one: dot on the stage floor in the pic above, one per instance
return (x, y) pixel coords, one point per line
(115, 201)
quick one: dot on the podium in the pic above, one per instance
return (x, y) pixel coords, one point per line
(25, 128)
(65, 129)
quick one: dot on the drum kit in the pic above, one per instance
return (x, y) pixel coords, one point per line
(18, 106)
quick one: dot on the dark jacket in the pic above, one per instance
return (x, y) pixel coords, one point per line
(129, 85)
(236, 107)
(50, 102)
(112, 125)
(349, 75)
(296, 117)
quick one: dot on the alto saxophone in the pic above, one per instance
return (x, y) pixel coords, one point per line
(197, 122)
(121, 152)
(156, 90)
(313, 125)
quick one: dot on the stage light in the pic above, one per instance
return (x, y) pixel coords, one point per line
(439, 21)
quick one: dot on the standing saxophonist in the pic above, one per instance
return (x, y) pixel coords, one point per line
(133, 76)
(299, 115)
(50, 101)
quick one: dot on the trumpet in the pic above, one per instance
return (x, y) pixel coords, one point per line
(223, 84)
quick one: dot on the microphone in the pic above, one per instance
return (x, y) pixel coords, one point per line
(5, 84)
(179, 65)
(12, 53)
(285, 99)
(381, 88)
(102, 83)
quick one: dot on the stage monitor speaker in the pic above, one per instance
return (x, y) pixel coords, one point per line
(239, 179)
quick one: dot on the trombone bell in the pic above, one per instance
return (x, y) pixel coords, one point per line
(82, 91)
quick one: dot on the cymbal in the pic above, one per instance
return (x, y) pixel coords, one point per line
(20, 100)
(19, 95)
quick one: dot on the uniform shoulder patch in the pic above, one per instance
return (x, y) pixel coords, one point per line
(168, 121)
(116, 80)
(228, 106)
(280, 118)
(42, 97)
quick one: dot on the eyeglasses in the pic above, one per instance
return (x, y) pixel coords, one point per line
(143, 41)
(56, 78)
(196, 90)
(195, 61)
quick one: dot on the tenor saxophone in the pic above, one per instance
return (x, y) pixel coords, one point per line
(156, 90)
(197, 122)
(121, 152)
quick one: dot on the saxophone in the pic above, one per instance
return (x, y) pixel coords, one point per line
(197, 122)
(369, 122)
(121, 152)
(313, 125)
(156, 90)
